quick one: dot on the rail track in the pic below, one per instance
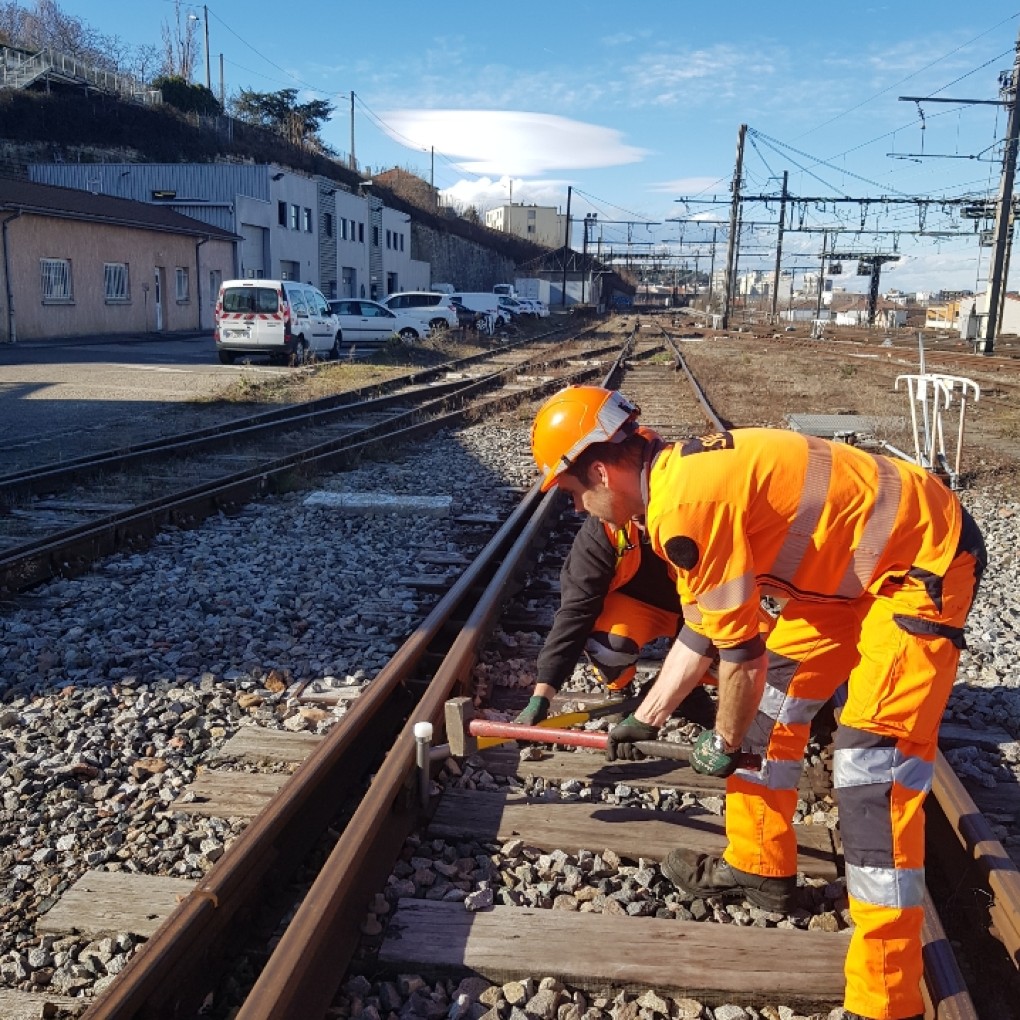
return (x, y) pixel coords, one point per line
(57, 519)
(384, 862)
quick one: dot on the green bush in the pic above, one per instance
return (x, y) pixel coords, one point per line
(187, 97)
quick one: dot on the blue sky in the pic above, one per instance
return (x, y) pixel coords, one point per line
(637, 105)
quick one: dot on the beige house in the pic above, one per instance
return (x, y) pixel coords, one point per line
(73, 263)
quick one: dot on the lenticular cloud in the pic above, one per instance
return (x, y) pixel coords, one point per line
(512, 142)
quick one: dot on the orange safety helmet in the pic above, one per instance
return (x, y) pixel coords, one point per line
(572, 420)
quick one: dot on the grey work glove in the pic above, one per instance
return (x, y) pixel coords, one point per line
(625, 734)
(534, 712)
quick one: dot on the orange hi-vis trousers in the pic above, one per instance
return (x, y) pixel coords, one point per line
(898, 652)
(624, 626)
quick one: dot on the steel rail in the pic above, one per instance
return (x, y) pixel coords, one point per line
(306, 968)
(987, 857)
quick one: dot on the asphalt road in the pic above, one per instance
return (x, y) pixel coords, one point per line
(65, 399)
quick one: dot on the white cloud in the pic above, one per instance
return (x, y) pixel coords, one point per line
(486, 193)
(511, 142)
(692, 186)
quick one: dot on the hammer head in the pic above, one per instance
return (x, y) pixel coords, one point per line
(459, 712)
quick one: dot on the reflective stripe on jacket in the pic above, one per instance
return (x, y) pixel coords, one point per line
(765, 511)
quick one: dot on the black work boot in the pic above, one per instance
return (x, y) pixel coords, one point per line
(700, 874)
(698, 707)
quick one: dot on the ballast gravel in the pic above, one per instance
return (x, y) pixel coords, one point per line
(118, 686)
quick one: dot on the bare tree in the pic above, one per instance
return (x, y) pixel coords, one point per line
(45, 26)
(180, 45)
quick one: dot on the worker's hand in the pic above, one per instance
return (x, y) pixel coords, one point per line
(534, 712)
(625, 734)
(710, 758)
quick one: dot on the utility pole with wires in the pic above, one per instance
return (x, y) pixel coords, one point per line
(779, 246)
(731, 246)
(566, 249)
(353, 161)
(1002, 234)
(1003, 209)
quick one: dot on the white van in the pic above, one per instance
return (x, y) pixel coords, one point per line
(283, 319)
(480, 301)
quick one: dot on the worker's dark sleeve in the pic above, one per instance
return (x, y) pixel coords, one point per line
(584, 583)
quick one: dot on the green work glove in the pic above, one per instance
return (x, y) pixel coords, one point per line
(534, 712)
(625, 734)
(709, 758)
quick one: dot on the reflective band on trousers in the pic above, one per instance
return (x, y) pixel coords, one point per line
(774, 775)
(865, 766)
(886, 887)
(790, 711)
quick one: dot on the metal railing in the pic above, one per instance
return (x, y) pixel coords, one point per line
(19, 69)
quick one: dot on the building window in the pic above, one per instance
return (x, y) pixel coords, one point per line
(308, 221)
(295, 213)
(343, 229)
(401, 242)
(183, 285)
(327, 224)
(56, 280)
(115, 282)
(389, 236)
(375, 237)
(215, 279)
(281, 213)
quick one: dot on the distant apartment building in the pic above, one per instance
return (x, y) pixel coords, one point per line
(539, 223)
(973, 312)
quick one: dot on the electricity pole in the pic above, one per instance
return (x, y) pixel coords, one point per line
(779, 246)
(566, 249)
(354, 162)
(1003, 209)
(208, 74)
(731, 245)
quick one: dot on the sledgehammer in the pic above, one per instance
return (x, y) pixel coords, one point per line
(463, 732)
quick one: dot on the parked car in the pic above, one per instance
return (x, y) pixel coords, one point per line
(432, 308)
(283, 319)
(538, 308)
(362, 321)
(514, 308)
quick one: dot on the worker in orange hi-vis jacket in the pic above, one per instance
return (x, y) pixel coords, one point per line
(878, 564)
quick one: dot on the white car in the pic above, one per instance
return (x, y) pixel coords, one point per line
(433, 309)
(364, 321)
(537, 308)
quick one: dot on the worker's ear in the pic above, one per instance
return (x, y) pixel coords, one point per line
(598, 473)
